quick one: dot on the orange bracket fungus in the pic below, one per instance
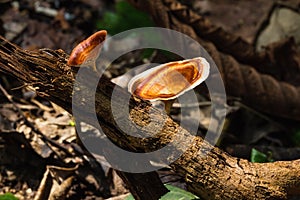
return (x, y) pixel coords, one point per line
(88, 50)
(170, 80)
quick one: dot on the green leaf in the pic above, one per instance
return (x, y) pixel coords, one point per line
(174, 193)
(147, 53)
(124, 18)
(178, 193)
(8, 196)
(72, 123)
(296, 137)
(259, 157)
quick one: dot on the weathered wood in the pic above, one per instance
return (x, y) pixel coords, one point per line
(47, 73)
(208, 171)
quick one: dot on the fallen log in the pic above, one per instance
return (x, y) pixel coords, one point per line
(208, 171)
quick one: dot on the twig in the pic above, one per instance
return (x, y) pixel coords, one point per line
(36, 130)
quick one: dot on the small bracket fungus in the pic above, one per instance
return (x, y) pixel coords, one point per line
(88, 50)
(170, 80)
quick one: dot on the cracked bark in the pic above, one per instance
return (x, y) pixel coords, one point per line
(209, 172)
(47, 73)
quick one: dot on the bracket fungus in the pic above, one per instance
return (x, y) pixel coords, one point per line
(170, 80)
(87, 51)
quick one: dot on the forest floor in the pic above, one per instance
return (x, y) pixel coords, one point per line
(36, 135)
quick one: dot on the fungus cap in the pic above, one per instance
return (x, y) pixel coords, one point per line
(169, 80)
(87, 50)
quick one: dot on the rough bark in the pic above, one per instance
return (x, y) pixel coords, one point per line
(208, 171)
(47, 73)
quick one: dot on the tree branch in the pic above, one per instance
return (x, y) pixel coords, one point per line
(209, 172)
